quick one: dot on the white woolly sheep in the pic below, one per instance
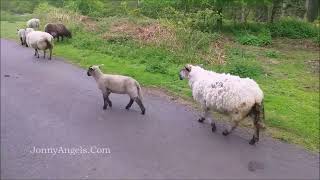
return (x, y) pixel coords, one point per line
(118, 84)
(39, 41)
(22, 36)
(33, 23)
(227, 94)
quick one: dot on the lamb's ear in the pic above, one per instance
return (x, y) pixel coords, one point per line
(100, 65)
(188, 67)
(17, 29)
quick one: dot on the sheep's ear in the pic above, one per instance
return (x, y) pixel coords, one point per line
(17, 29)
(188, 67)
(100, 65)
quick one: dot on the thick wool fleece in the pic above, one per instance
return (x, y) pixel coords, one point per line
(39, 40)
(224, 93)
(33, 23)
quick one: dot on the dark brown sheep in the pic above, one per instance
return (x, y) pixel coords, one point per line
(57, 30)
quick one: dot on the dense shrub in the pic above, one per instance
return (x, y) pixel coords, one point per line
(157, 67)
(272, 54)
(262, 38)
(293, 28)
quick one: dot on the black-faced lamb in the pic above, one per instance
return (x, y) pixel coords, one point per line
(39, 41)
(57, 30)
(33, 23)
(118, 84)
(227, 94)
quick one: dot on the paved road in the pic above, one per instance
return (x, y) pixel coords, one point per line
(53, 104)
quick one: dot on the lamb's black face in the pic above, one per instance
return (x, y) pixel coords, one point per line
(90, 70)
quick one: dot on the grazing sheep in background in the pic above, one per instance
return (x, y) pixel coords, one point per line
(33, 23)
(57, 30)
(22, 36)
(118, 84)
(39, 41)
(227, 94)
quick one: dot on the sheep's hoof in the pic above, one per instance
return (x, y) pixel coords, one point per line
(127, 108)
(214, 128)
(200, 120)
(253, 140)
(104, 107)
(225, 132)
(143, 112)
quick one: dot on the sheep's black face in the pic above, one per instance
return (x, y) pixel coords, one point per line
(184, 73)
(89, 72)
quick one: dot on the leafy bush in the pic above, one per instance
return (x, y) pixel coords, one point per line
(87, 7)
(272, 54)
(293, 28)
(244, 69)
(260, 39)
(157, 67)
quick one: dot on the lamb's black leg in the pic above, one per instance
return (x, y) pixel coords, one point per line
(21, 40)
(35, 52)
(106, 100)
(139, 102)
(105, 103)
(44, 54)
(129, 104)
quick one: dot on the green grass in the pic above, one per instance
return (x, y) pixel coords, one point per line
(291, 89)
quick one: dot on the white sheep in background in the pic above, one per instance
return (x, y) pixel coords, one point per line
(227, 94)
(33, 23)
(22, 36)
(118, 84)
(39, 41)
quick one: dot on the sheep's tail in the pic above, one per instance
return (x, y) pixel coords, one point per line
(49, 43)
(139, 90)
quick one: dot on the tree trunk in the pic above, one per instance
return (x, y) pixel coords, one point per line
(219, 20)
(261, 14)
(276, 6)
(312, 10)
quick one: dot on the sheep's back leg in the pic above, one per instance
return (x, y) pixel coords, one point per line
(129, 104)
(44, 54)
(139, 102)
(236, 119)
(255, 137)
(35, 52)
(206, 115)
(50, 51)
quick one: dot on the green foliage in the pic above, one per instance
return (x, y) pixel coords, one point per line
(18, 6)
(194, 40)
(245, 69)
(87, 7)
(157, 67)
(272, 54)
(259, 39)
(42, 9)
(7, 16)
(293, 28)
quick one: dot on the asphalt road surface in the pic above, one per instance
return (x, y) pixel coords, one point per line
(53, 104)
